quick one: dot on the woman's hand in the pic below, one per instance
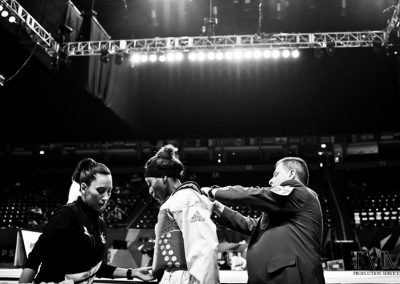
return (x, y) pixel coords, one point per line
(143, 273)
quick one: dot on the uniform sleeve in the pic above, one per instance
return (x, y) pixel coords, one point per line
(199, 237)
(261, 198)
(106, 271)
(237, 222)
(59, 226)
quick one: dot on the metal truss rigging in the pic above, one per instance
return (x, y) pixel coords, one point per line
(42, 37)
(394, 22)
(280, 41)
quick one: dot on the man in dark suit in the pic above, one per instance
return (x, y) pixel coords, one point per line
(285, 243)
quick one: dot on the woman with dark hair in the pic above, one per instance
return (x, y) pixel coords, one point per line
(185, 251)
(73, 245)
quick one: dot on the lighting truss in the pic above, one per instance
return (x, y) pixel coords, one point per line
(280, 41)
(44, 38)
(394, 22)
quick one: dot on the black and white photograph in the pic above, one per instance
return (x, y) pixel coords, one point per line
(199, 141)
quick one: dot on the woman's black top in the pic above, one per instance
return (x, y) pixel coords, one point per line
(74, 241)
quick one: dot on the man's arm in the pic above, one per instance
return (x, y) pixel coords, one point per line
(234, 220)
(263, 198)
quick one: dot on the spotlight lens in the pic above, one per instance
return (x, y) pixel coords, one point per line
(248, 54)
(192, 56)
(211, 55)
(153, 58)
(275, 53)
(201, 56)
(12, 19)
(4, 13)
(179, 56)
(228, 55)
(162, 58)
(238, 54)
(285, 53)
(257, 54)
(295, 53)
(144, 58)
(267, 53)
(219, 55)
(1, 8)
(135, 58)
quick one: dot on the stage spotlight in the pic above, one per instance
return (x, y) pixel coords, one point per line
(276, 53)
(248, 54)
(119, 58)
(211, 55)
(134, 58)
(257, 54)
(4, 13)
(228, 55)
(285, 53)
(104, 55)
(170, 56)
(295, 53)
(1, 8)
(162, 58)
(330, 47)
(192, 56)
(219, 55)
(179, 56)
(12, 19)
(238, 55)
(153, 58)
(267, 53)
(201, 56)
(144, 58)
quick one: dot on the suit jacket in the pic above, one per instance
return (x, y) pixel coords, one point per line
(285, 243)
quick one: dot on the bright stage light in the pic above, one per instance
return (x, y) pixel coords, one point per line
(248, 54)
(275, 53)
(192, 56)
(238, 55)
(1, 8)
(144, 58)
(170, 56)
(201, 56)
(285, 53)
(219, 55)
(211, 55)
(4, 13)
(295, 53)
(228, 55)
(162, 58)
(134, 58)
(257, 54)
(179, 56)
(12, 19)
(153, 58)
(267, 53)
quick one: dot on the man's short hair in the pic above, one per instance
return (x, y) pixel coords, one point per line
(297, 164)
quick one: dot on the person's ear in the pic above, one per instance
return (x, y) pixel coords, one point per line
(292, 174)
(83, 187)
(164, 179)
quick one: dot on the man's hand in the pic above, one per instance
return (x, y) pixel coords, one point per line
(143, 273)
(206, 191)
(218, 208)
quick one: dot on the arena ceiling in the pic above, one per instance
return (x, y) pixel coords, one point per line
(354, 90)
